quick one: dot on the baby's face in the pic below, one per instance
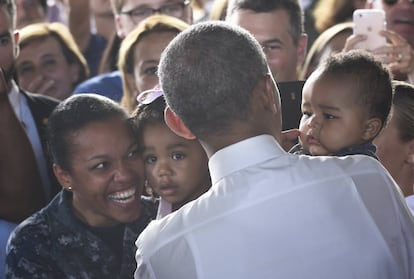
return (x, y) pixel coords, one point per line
(331, 118)
(176, 168)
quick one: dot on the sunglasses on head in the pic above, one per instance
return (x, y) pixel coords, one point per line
(392, 2)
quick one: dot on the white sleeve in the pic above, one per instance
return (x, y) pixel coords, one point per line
(143, 270)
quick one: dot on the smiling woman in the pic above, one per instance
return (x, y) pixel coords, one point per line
(99, 213)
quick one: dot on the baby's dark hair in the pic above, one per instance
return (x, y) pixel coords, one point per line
(147, 114)
(371, 80)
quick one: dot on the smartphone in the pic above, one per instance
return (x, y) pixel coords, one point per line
(369, 22)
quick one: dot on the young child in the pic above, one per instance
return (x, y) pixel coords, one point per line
(176, 168)
(345, 104)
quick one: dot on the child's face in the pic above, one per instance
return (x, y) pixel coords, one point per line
(331, 118)
(176, 168)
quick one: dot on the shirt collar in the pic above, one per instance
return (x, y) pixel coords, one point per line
(242, 155)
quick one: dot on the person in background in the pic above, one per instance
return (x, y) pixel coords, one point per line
(26, 180)
(307, 208)
(278, 26)
(49, 62)
(140, 54)
(395, 144)
(398, 53)
(103, 18)
(89, 228)
(91, 24)
(345, 104)
(330, 12)
(128, 14)
(76, 14)
(329, 42)
(28, 12)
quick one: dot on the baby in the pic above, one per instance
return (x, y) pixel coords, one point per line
(345, 104)
(176, 168)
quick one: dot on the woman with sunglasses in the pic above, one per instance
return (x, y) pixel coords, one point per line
(398, 53)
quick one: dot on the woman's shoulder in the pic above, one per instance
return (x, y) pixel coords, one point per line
(31, 232)
(29, 246)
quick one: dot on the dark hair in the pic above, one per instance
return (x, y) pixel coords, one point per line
(208, 74)
(370, 78)
(73, 114)
(296, 24)
(148, 114)
(403, 110)
(11, 10)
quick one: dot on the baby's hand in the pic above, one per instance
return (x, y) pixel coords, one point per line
(289, 138)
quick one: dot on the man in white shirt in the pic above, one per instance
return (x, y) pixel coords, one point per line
(268, 214)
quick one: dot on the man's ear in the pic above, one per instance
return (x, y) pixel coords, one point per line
(271, 96)
(177, 125)
(302, 49)
(372, 128)
(63, 177)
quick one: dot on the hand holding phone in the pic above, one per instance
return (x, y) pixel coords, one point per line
(369, 22)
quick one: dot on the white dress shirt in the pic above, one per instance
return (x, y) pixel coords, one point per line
(410, 203)
(270, 214)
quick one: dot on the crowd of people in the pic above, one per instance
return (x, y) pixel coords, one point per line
(145, 138)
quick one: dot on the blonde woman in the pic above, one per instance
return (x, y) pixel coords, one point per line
(395, 144)
(140, 53)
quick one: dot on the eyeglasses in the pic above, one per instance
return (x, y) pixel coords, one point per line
(173, 9)
(148, 96)
(393, 2)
